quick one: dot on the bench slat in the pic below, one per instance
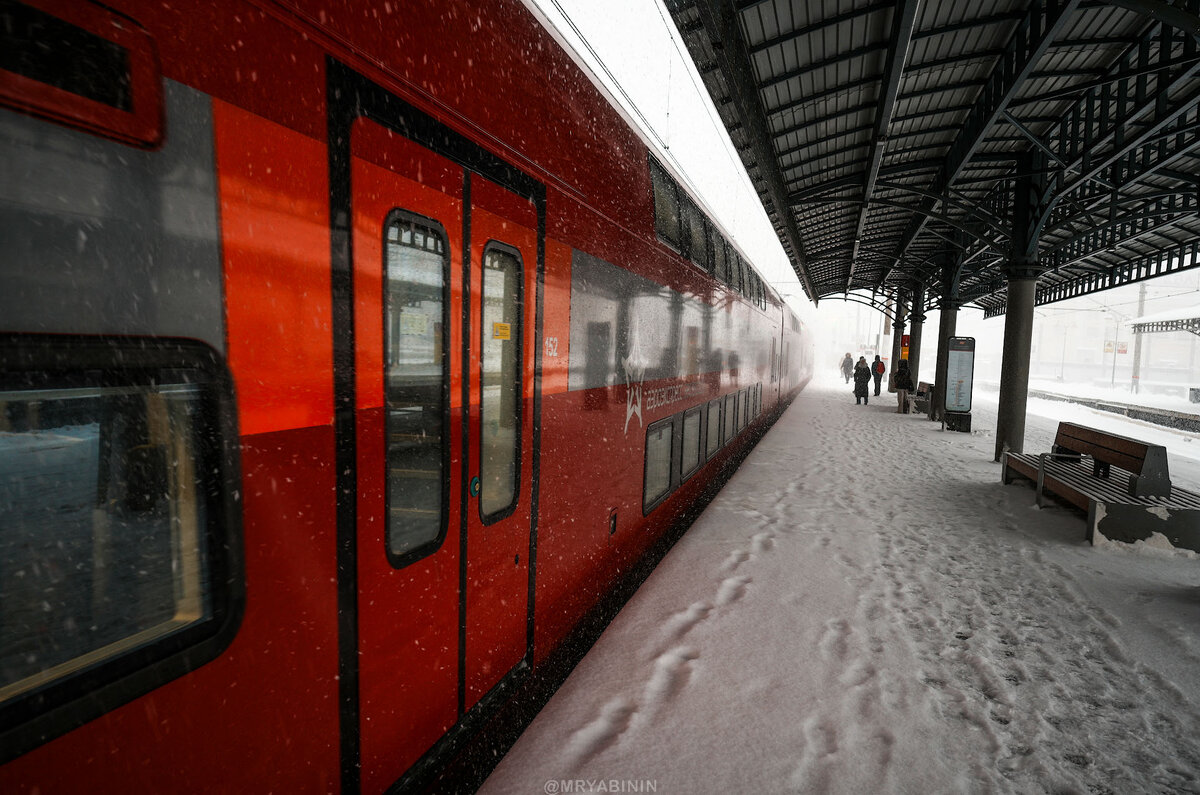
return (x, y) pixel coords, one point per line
(1122, 456)
(1140, 458)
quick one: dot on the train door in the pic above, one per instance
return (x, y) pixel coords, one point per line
(443, 261)
(407, 231)
(503, 243)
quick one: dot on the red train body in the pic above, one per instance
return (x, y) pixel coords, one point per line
(371, 320)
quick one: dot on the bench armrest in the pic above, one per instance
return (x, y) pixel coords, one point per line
(1041, 476)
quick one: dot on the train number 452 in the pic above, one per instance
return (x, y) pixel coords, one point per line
(551, 346)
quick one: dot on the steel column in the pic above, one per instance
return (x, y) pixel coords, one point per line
(947, 327)
(1021, 271)
(1014, 371)
(916, 318)
(898, 327)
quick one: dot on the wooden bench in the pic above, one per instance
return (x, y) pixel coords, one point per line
(1122, 483)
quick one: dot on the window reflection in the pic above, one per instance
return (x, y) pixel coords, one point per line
(500, 404)
(414, 393)
(730, 416)
(713, 436)
(690, 455)
(102, 511)
(658, 463)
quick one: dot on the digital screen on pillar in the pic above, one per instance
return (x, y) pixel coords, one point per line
(960, 372)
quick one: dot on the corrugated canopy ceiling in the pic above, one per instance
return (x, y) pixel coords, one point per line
(886, 137)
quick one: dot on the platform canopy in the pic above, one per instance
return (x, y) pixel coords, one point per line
(885, 137)
(1184, 319)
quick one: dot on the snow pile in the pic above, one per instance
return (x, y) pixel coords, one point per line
(1121, 394)
(866, 609)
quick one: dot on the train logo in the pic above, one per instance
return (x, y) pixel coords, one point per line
(634, 374)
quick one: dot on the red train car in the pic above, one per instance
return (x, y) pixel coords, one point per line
(352, 354)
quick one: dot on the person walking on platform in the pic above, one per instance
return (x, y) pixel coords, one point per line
(878, 368)
(904, 385)
(848, 367)
(862, 376)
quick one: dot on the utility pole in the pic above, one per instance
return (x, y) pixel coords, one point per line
(1137, 344)
(1112, 382)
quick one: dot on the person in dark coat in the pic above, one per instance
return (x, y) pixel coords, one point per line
(862, 377)
(878, 368)
(847, 367)
(904, 385)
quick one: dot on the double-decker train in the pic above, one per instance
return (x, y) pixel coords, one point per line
(353, 352)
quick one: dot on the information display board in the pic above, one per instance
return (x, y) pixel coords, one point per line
(960, 374)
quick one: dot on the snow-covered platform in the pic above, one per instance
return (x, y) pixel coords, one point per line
(865, 608)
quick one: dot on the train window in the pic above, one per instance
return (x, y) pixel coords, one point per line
(119, 560)
(686, 210)
(697, 239)
(689, 459)
(666, 206)
(660, 438)
(500, 381)
(720, 259)
(416, 370)
(83, 65)
(735, 271)
(741, 409)
(712, 437)
(730, 417)
(709, 247)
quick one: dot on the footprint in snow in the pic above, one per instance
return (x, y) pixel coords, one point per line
(679, 625)
(732, 589)
(735, 559)
(672, 671)
(813, 772)
(603, 731)
(858, 673)
(833, 641)
(762, 542)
